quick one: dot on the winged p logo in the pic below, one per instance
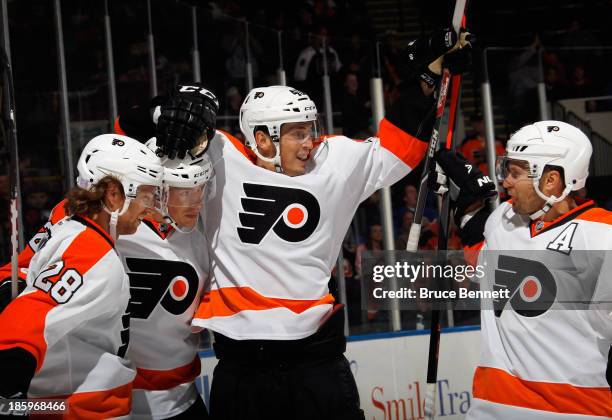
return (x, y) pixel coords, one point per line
(173, 284)
(291, 213)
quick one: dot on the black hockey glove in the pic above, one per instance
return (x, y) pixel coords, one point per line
(5, 291)
(468, 184)
(460, 60)
(187, 119)
(422, 51)
(18, 367)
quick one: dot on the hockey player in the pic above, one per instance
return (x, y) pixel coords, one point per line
(540, 363)
(167, 265)
(275, 223)
(65, 336)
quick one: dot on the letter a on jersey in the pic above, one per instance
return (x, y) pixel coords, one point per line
(291, 213)
(563, 242)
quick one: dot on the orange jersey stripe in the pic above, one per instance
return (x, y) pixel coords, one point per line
(229, 301)
(598, 215)
(241, 147)
(117, 127)
(406, 147)
(58, 212)
(94, 405)
(156, 380)
(500, 387)
(23, 320)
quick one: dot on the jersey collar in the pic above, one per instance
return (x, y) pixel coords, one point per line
(162, 230)
(95, 227)
(538, 226)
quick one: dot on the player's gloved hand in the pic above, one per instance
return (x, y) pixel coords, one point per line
(422, 51)
(5, 291)
(459, 59)
(186, 120)
(468, 183)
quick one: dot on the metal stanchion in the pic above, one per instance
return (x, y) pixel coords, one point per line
(282, 77)
(249, 65)
(542, 102)
(197, 75)
(329, 120)
(64, 110)
(151, 42)
(487, 107)
(110, 66)
(386, 212)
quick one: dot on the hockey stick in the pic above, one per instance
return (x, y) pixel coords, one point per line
(415, 229)
(8, 117)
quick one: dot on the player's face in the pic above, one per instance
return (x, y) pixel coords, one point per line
(143, 205)
(184, 205)
(296, 141)
(521, 190)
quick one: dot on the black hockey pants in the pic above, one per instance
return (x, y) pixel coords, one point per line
(307, 379)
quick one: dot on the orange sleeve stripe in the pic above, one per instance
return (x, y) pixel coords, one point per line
(23, 324)
(117, 128)
(229, 301)
(500, 387)
(406, 147)
(93, 405)
(470, 253)
(58, 212)
(240, 146)
(24, 319)
(596, 214)
(158, 380)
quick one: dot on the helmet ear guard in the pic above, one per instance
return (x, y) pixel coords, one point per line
(547, 144)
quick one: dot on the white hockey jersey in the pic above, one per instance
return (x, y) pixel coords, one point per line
(167, 270)
(548, 363)
(72, 318)
(274, 239)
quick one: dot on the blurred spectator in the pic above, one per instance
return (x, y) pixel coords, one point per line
(580, 85)
(37, 207)
(474, 146)
(355, 113)
(404, 230)
(409, 202)
(555, 78)
(577, 36)
(233, 101)
(368, 213)
(524, 76)
(309, 68)
(390, 58)
(234, 44)
(355, 56)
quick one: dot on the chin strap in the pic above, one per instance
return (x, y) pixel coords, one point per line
(276, 160)
(549, 200)
(170, 221)
(114, 217)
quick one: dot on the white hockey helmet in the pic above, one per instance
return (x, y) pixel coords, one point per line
(131, 162)
(550, 143)
(272, 107)
(184, 181)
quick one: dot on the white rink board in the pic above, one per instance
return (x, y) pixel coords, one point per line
(390, 370)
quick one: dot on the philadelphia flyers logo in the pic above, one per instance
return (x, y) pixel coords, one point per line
(532, 287)
(291, 213)
(172, 284)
